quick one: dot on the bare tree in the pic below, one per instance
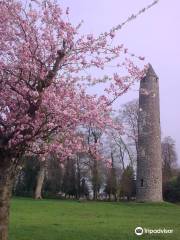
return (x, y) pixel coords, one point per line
(130, 119)
(111, 186)
(94, 136)
(169, 157)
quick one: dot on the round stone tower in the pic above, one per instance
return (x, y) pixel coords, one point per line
(149, 162)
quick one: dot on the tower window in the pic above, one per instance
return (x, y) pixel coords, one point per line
(142, 182)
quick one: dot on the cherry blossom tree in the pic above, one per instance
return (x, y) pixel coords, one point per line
(43, 85)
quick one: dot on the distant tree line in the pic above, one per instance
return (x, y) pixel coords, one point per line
(85, 177)
(171, 173)
(67, 181)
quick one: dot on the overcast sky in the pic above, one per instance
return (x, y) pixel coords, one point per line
(155, 35)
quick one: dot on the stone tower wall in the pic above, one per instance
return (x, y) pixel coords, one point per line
(149, 163)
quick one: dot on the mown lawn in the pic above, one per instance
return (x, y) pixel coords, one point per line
(71, 220)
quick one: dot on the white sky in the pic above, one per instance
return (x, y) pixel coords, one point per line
(155, 35)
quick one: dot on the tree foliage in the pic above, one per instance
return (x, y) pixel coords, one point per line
(127, 184)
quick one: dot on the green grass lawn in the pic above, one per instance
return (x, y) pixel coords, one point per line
(71, 220)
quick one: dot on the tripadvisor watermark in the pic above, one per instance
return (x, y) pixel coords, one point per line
(140, 231)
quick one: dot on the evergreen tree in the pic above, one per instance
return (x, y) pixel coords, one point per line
(127, 183)
(69, 186)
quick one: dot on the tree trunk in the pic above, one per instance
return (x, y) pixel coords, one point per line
(5, 195)
(78, 178)
(115, 197)
(40, 180)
